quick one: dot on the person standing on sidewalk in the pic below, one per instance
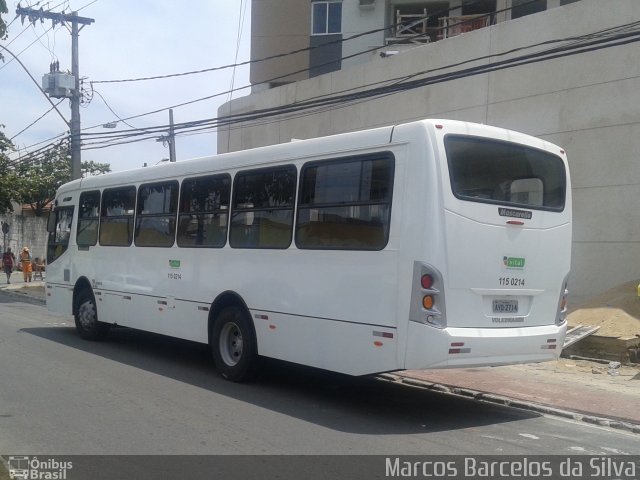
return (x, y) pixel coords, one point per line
(8, 261)
(25, 261)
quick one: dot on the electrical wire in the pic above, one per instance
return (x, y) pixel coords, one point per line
(36, 120)
(232, 90)
(128, 137)
(102, 141)
(307, 49)
(598, 40)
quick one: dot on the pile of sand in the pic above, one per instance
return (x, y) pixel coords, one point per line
(616, 311)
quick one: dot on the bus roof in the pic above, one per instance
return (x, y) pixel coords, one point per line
(290, 151)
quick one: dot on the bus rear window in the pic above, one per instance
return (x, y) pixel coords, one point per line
(491, 171)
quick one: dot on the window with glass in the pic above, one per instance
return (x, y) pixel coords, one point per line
(345, 204)
(204, 211)
(116, 216)
(492, 171)
(262, 212)
(156, 214)
(326, 18)
(59, 228)
(521, 8)
(88, 219)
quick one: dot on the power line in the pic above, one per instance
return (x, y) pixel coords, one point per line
(36, 120)
(303, 70)
(36, 83)
(604, 39)
(230, 92)
(307, 49)
(102, 141)
(124, 137)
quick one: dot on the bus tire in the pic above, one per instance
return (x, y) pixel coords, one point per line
(86, 317)
(233, 344)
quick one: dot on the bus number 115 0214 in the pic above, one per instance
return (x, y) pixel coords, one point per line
(511, 282)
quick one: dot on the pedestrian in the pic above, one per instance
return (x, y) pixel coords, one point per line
(8, 261)
(25, 262)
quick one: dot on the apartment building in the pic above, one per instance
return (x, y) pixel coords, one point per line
(335, 34)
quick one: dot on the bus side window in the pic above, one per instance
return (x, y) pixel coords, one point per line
(116, 216)
(156, 215)
(204, 211)
(345, 204)
(262, 214)
(88, 219)
(58, 241)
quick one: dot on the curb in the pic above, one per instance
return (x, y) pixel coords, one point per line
(511, 402)
(23, 296)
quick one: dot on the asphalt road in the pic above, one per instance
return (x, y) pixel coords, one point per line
(140, 393)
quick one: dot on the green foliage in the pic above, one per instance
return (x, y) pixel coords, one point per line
(8, 178)
(40, 179)
(3, 26)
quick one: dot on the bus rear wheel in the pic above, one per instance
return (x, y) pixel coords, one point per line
(86, 317)
(233, 344)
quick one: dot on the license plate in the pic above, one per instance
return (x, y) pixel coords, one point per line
(505, 306)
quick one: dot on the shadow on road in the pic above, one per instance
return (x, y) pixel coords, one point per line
(361, 405)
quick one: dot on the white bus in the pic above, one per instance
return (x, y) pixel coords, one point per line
(430, 244)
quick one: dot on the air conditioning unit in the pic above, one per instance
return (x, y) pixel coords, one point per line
(367, 4)
(58, 84)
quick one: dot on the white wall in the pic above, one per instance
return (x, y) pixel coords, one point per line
(356, 20)
(26, 232)
(587, 103)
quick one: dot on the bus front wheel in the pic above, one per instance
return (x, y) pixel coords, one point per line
(233, 344)
(86, 317)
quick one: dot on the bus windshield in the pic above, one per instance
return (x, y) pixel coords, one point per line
(492, 171)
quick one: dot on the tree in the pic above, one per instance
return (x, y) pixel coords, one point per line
(8, 180)
(3, 26)
(39, 179)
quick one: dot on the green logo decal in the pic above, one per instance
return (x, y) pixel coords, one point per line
(174, 263)
(513, 262)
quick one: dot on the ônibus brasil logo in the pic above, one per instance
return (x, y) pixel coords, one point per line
(24, 467)
(516, 263)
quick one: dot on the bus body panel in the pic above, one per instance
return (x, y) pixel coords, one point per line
(479, 274)
(430, 347)
(342, 310)
(509, 270)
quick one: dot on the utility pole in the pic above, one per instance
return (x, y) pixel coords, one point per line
(170, 139)
(76, 94)
(5, 232)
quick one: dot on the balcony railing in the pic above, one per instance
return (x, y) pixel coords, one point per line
(452, 26)
(412, 27)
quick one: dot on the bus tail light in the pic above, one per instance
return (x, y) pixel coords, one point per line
(562, 304)
(426, 281)
(427, 296)
(427, 302)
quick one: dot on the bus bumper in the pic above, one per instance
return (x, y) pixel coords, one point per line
(430, 347)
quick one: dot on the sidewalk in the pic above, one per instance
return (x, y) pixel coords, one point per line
(577, 389)
(33, 291)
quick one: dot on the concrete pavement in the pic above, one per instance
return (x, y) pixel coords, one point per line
(571, 388)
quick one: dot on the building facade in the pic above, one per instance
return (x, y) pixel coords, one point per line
(585, 102)
(328, 35)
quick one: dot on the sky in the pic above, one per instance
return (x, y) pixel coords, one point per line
(129, 39)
